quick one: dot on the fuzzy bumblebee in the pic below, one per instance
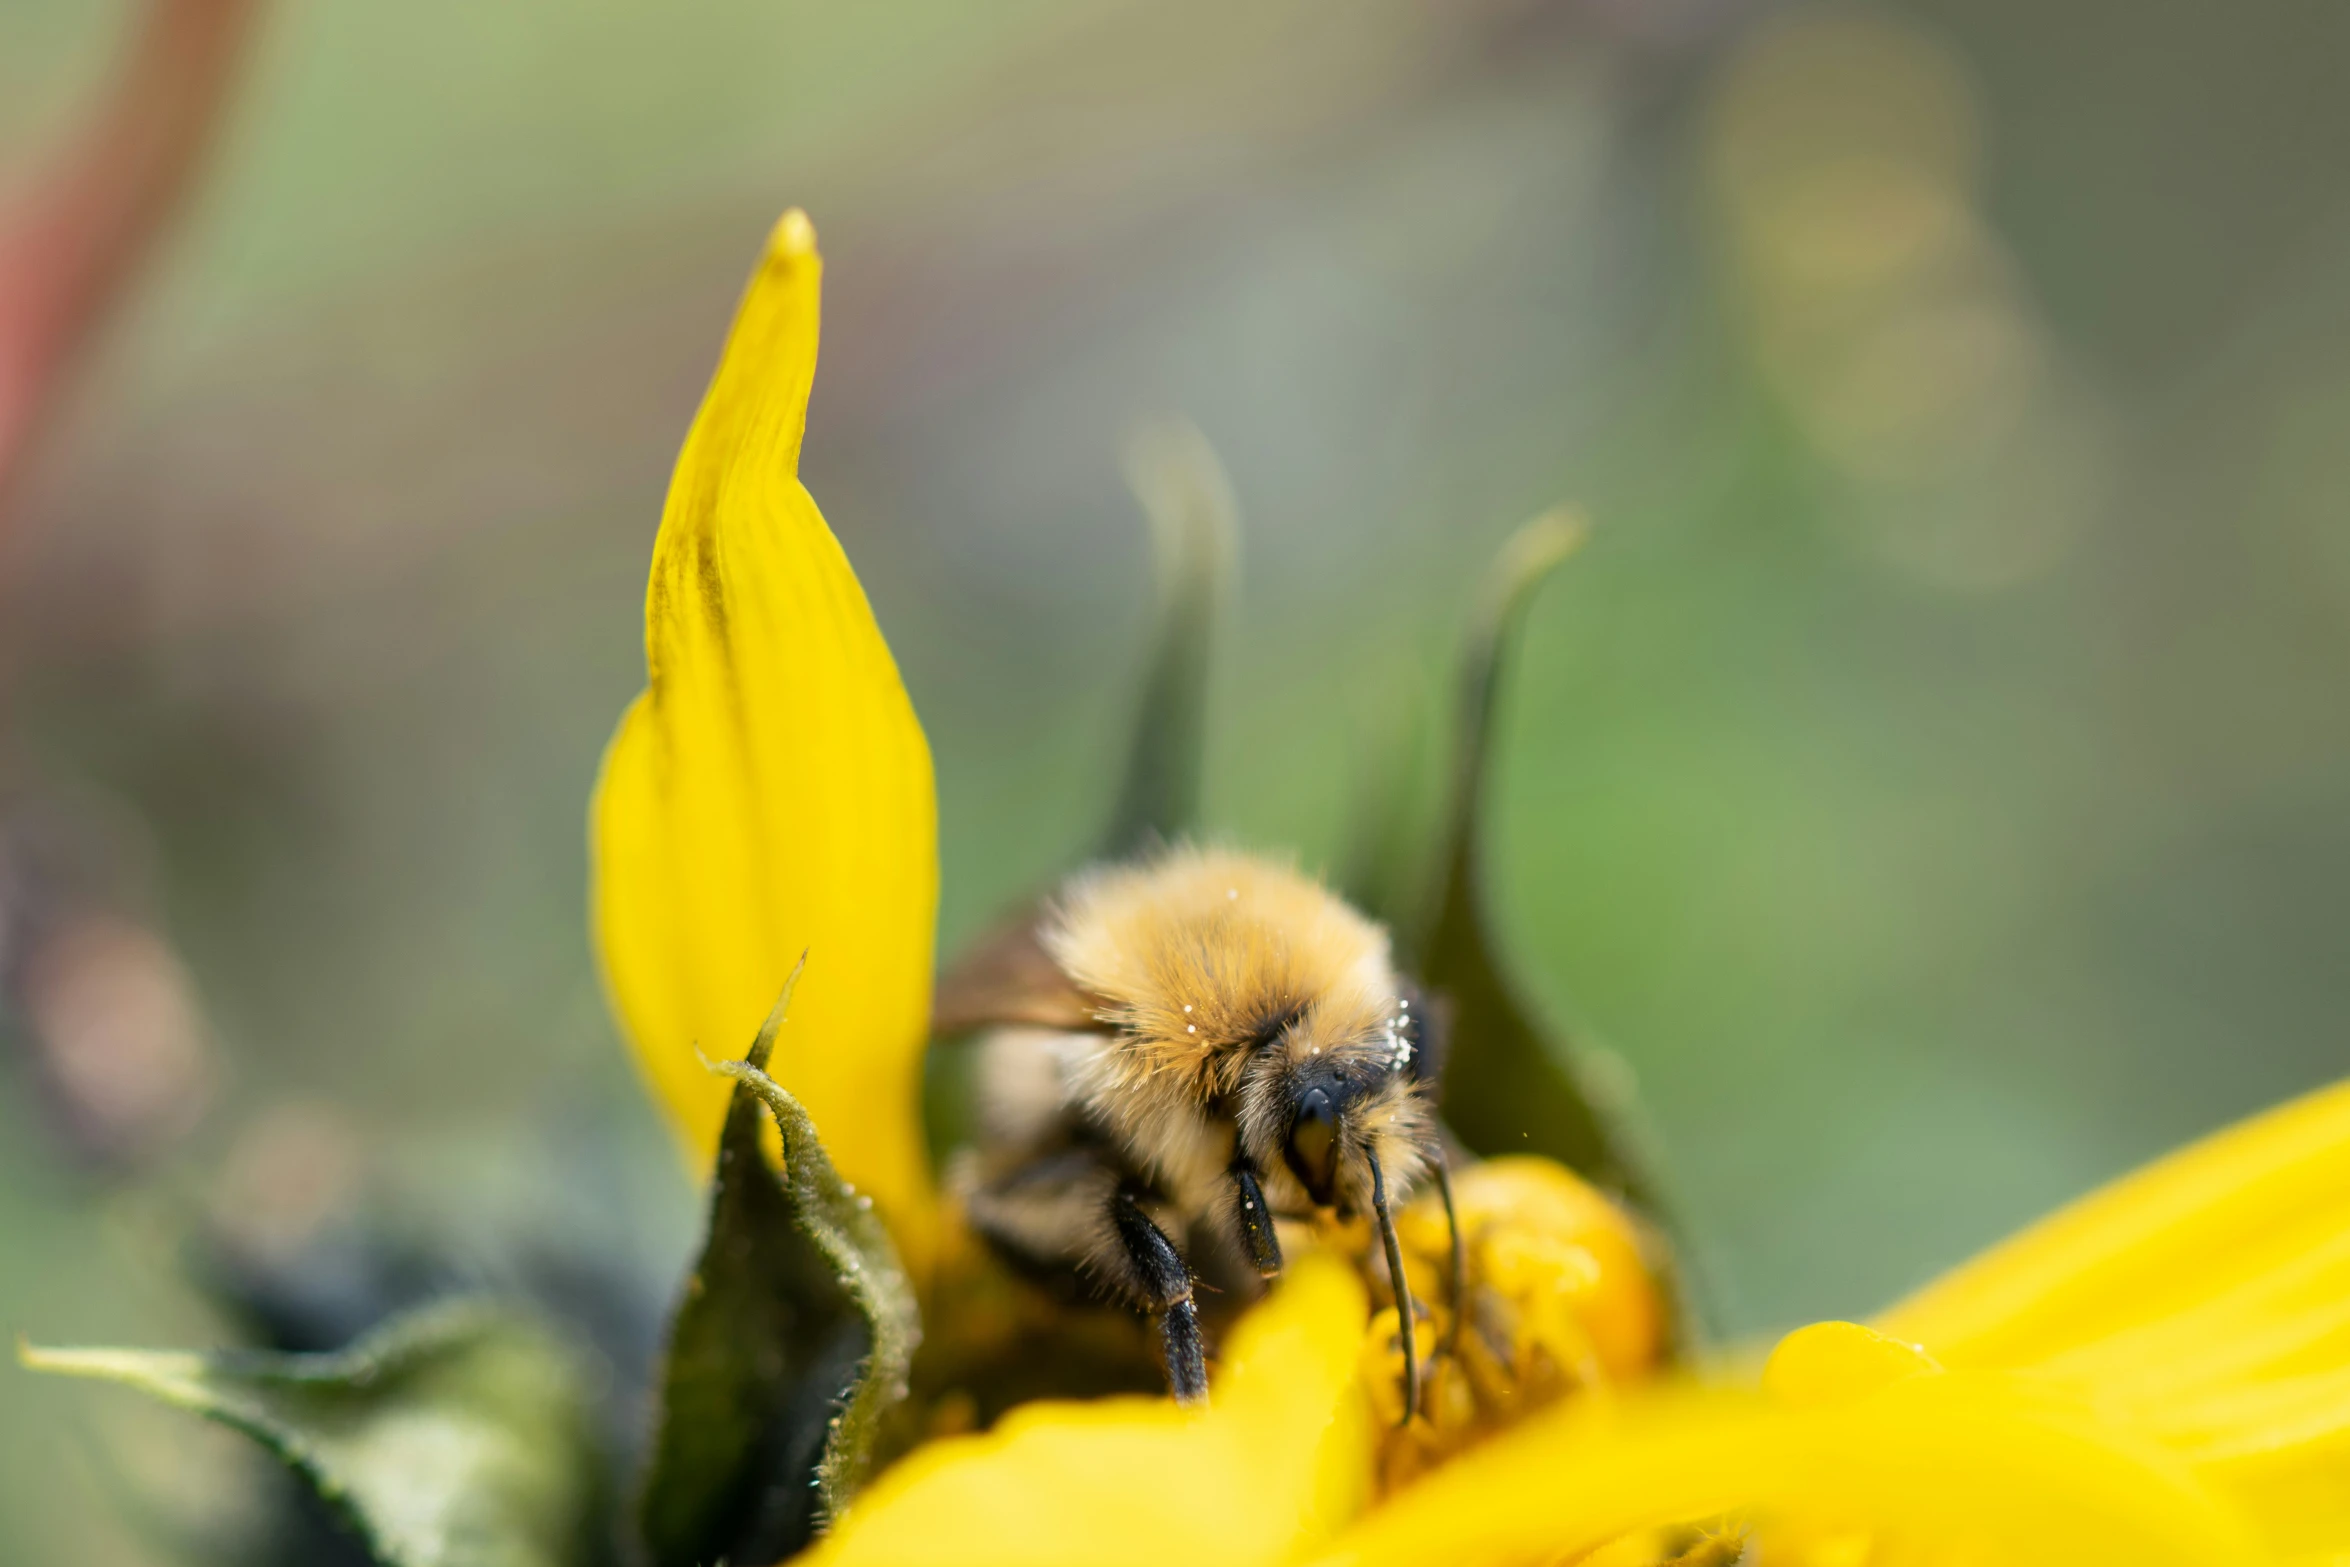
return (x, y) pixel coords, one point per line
(1181, 1055)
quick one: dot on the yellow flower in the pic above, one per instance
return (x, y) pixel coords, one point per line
(2159, 1374)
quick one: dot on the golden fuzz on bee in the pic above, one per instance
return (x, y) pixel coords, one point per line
(1204, 952)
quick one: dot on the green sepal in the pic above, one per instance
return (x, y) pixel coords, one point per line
(789, 1346)
(1510, 1084)
(1194, 533)
(455, 1436)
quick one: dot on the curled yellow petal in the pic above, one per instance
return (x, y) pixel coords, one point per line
(2242, 1204)
(1277, 1462)
(770, 792)
(1933, 1468)
(2204, 1301)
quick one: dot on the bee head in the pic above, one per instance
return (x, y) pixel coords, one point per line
(1321, 1104)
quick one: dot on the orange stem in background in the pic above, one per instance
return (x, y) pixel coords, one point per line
(72, 242)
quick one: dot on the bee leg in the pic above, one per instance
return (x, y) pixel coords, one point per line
(1407, 1315)
(1460, 1260)
(1071, 1216)
(1255, 1219)
(1158, 1276)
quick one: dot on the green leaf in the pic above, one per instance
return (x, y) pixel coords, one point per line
(1509, 1086)
(1381, 867)
(1194, 531)
(791, 1343)
(456, 1436)
(844, 1228)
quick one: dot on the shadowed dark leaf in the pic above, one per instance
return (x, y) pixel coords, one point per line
(1382, 866)
(789, 1345)
(454, 1437)
(1509, 1085)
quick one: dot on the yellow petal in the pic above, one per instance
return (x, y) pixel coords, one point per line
(2203, 1301)
(770, 792)
(1950, 1467)
(2153, 1245)
(1278, 1461)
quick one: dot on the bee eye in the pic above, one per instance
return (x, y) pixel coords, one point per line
(1312, 1150)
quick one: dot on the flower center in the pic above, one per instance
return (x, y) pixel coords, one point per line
(1559, 1303)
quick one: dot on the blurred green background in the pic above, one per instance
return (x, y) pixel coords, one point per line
(1933, 781)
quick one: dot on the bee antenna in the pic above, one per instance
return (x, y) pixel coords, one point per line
(1405, 1313)
(1460, 1259)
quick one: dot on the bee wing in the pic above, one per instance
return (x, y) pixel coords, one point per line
(1006, 977)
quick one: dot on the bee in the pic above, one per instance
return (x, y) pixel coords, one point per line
(1186, 1052)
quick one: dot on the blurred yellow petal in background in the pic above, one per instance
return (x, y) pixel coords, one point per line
(771, 792)
(2151, 1244)
(1277, 1462)
(2204, 1300)
(1928, 1469)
